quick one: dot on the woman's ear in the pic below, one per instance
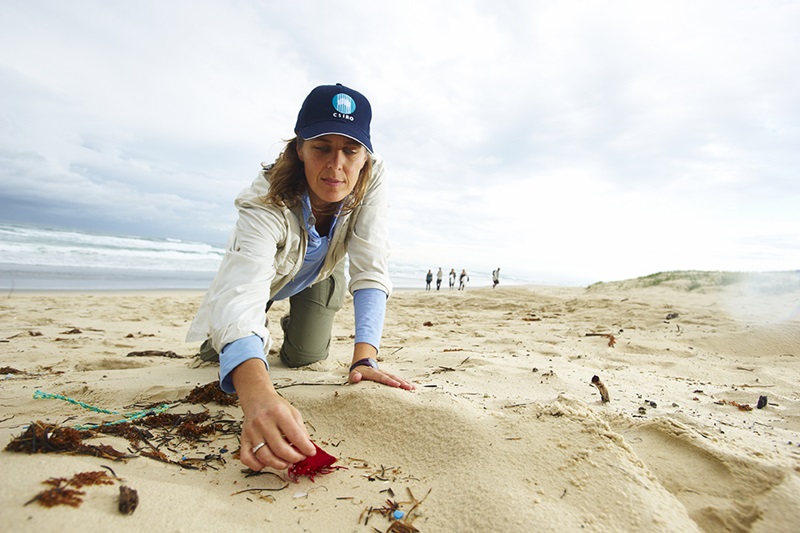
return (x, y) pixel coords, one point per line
(298, 147)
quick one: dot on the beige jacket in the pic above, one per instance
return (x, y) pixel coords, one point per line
(267, 248)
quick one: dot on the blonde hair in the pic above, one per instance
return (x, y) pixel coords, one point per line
(287, 181)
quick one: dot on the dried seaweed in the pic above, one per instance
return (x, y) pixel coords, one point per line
(58, 496)
(41, 437)
(740, 406)
(126, 431)
(146, 435)
(157, 455)
(10, 370)
(174, 420)
(151, 435)
(65, 491)
(190, 430)
(189, 463)
(211, 393)
(83, 479)
(156, 353)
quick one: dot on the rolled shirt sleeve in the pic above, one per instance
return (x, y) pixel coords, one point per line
(236, 353)
(370, 311)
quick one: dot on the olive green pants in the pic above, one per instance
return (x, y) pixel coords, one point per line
(307, 332)
(307, 327)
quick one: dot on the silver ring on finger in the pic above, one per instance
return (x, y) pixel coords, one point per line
(257, 447)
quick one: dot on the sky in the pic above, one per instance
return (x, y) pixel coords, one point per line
(573, 141)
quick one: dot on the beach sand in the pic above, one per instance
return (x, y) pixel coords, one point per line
(505, 431)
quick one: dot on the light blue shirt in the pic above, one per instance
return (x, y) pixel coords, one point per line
(369, 304)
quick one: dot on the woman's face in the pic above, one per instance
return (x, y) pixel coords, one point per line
(332, 165)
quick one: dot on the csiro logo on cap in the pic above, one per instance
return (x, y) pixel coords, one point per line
(344, 104)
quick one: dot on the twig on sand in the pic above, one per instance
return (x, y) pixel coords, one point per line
(417, 503)
(602, 388)
(612, 340)
(297, 383)
(271, 489)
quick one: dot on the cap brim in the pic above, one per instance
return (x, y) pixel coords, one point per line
(319, 129)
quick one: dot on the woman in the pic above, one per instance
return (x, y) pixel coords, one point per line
(324, 197)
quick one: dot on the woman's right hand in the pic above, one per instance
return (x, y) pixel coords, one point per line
(269, 419)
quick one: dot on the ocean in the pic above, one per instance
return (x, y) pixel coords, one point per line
(46, 258)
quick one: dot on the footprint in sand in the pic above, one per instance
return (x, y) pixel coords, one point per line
(720, 492)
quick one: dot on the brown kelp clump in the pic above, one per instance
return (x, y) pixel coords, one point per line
(211, 393)
(42, 437)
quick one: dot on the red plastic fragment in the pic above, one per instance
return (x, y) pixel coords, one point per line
(315, 465)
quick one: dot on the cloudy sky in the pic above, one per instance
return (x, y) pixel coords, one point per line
(562, 141)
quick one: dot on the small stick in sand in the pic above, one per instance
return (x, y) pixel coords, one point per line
(602, 388)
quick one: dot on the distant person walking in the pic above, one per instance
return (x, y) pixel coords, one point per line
(439, 276)
(495, 277)
(452, 277)
(428, 280)
(463, 278)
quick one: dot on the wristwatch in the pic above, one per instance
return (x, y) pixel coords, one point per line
(367, 361)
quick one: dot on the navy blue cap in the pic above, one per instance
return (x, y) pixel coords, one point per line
(335, 109)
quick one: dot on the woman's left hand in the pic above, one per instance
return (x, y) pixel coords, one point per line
(374, 374)
(363, 351)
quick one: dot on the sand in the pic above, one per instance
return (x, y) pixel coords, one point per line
(505, 431)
